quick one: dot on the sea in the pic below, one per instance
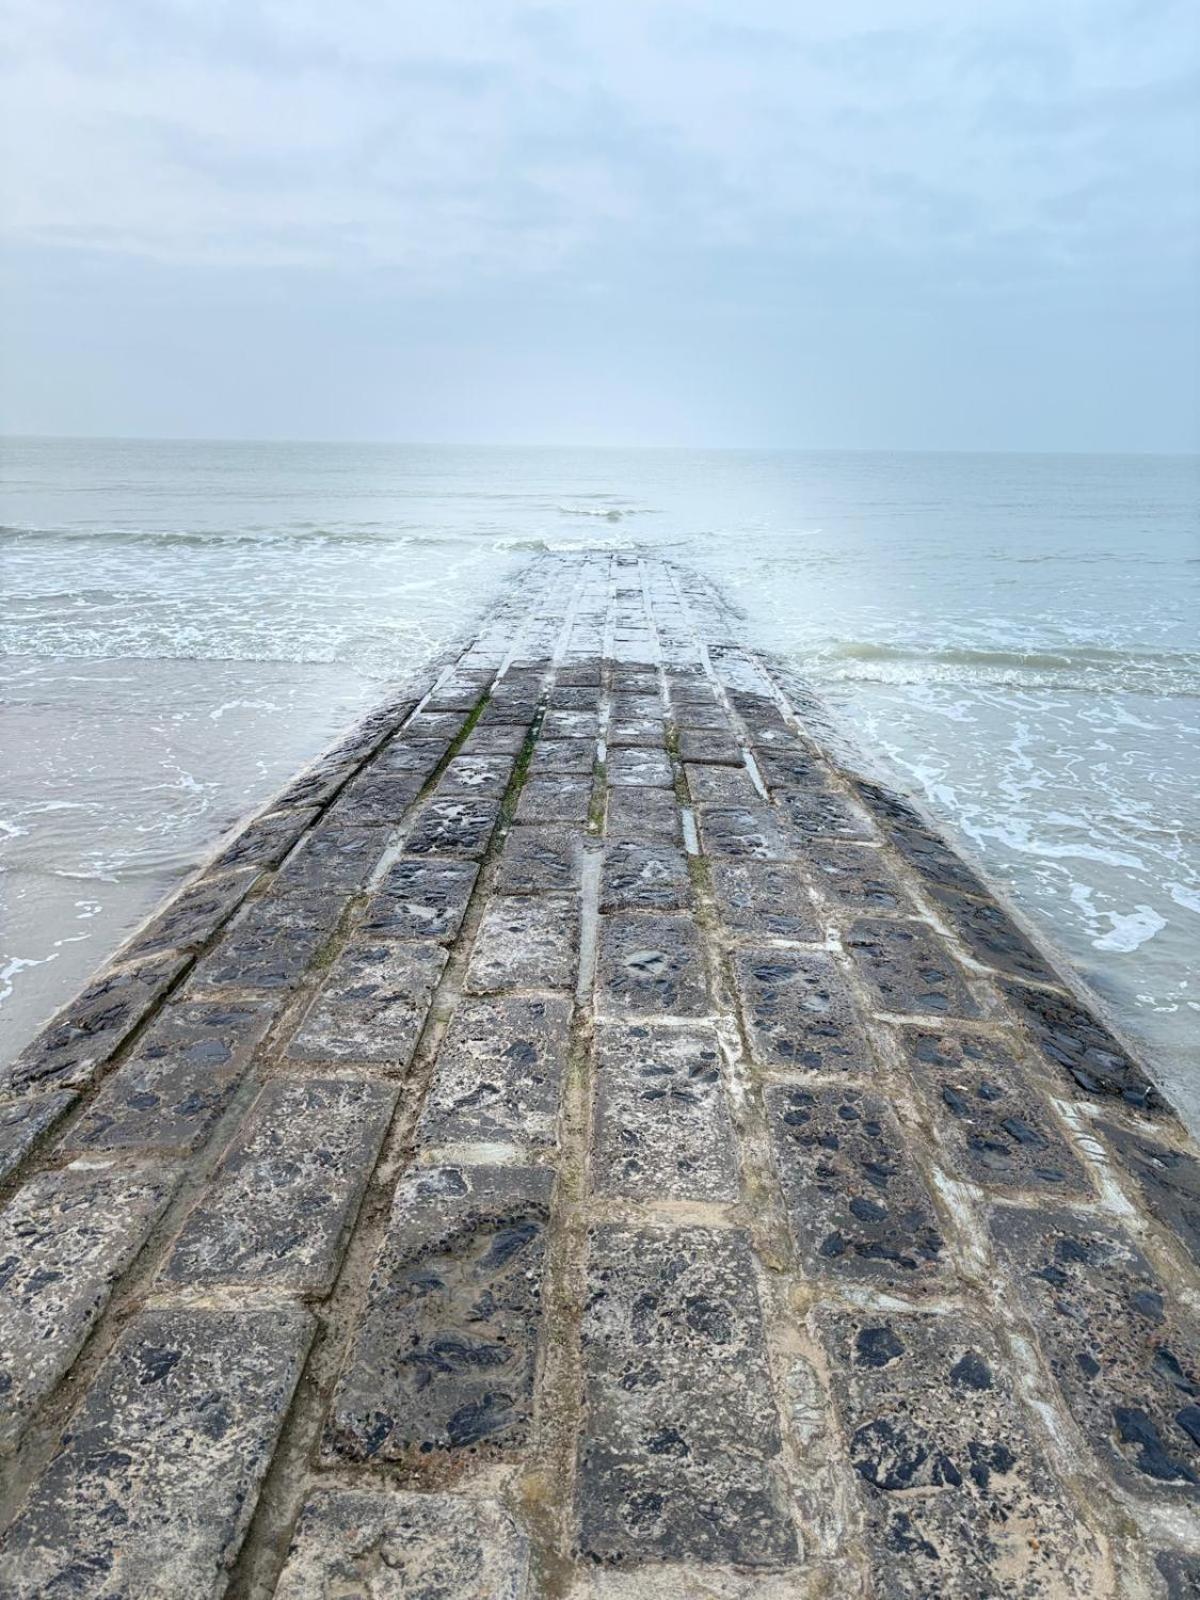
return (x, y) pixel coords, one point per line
(1013, 639)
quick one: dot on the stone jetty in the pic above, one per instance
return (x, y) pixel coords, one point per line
(584, 1141)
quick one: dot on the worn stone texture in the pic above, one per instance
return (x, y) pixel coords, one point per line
(372, 1004)
(908, 969)
(799, 1012)
(364, 1544)
(958, 1498)
(421, 898)
(65, 1239)
(650, 965)
(453, 825)
(526, 942)
(1077, 1041)
(679, 1452)
(1167, 1180)
(765, 900)
(721, 786)
(24, 1121)
(637, 766)
(266, 841)
(333, 860)
(159, 1471)
(854, 877)
(179, 1080)
(275, 1211)
(193, 916)
(752, 831)
(662, 1129)
(376, 799)
(443, 1358)
(498, 1077)
(644, 877)
(642, 814)
(555, 797)
(540, 860)
(271, 945)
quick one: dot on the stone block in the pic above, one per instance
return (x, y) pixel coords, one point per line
(65, 1240)
(765, 900)
(636, 707)
(171, 1091)
(662, 1128)
(495, 738)
(453, 826)
(24, 1121)
(650, 732)
(397, 1545)
(421, 897)
(526, 942)
(908, 968)
(824, 814)
(193, 916)
(1126, 1358)
(498, 1075)
(745, 832)
(372, 1005)
(857, 1204)
(644, 877)
(160, 1469)
(635, 766)
(266, 841)
(555, 797)
(854, 877)
(444, 1356)
(799, 1013)
(958, 1499)
(418, 756)
(540, 860)
(721, 786)
(788, 767)
(650, 965)
(445, 725)
(1077, 1041)
(1166, 1179)
(714, 746)
(646, 814)
(571, 725)
(375, 800)
(274, 1214)
(576, 756)
(272, 945)
(679, 1454)
(992, 936)
(476, 775)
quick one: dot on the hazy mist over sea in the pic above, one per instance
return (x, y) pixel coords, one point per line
(1016, 636)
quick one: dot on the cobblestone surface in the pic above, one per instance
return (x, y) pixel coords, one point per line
(582, 1142)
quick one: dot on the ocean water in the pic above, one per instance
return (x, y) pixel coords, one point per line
(1014, 639)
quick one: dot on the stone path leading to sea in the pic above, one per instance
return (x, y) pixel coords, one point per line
(582, 1142)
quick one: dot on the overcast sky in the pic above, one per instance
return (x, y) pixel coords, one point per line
(871, 223)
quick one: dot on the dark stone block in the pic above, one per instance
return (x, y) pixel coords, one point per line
(272, 945)
(194, 916)
(992, 937)
(495, 739)
(636, 707)
(160, 1469)
(998, 1130)
(316, 787)
(333, 860)
(526, 942)
(375, 800)
(23, 1122)
(824, 814)
(578, 697)
(266, 841)
(1076, 1040)
(421, 898)
(764, 899)
(924, 851)
(1125, 1357)
(579, 675)
(721, 786)
(650, 732)
(700, 716)
(444, 725)
(644, 877)
(908, 968)
(639, 767)
(571, 725)
(540, 860)
(858, 1207)
(799, 1012)
(662, 1128)
(855, 877)
(563, 755)
(959, 1501)
(84, 1036)
(710, 745)
(275, 1211)
(555, 797)
(372, 1005)
(405, 754)
(746, 832)
(452, 826)
(498, 1076)
(476, 775)
(179, 1080)
(679, 1455)
(1180, 1573)
(642, 814)
(650, 966)
(444, 1357)
(791, 768)
(1167, 1179)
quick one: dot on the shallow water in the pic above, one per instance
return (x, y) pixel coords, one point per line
(1016, 637)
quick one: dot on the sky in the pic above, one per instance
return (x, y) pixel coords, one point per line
(897, 224)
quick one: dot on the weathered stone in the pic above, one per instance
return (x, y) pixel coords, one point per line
(161, 1467)
(333, 860)
(958, 1499)
(854, 877)
(375, 800)
(650, 732)
(649, 814)
(272, 945)
(411, 755)
(929, 855)
(177, 1083)
(453, 826)
(317, 786)
(290, 1184)
(445, 725)
(24, 1121)
(650, 966)
(540, 860)
(704, 714)
(1125, 1357)
(662, 1130)
(444, 1357)
(789, 766)
(462, 691)
(372, 1005)
(638, 767)
(420, 898)
(1075, 1039)
(476, 775)
(368, 734)
(824, 814)
(721, 786)
(679, 1455)
(498, 1076)
(65, 1239)
(856, 1204)
(799, 1012)
(266, 841)
(568, 697)
(191, 919)
(644, 877)
(571, 725)
(636, 707)
(85, 1036)
(389, 1545)
(999, 1132)
(1180, 1574)
(495, 739)
(745, 832)
(563, 755)
(579, 675)
(526, 942)
(514, 710)
(992, 936)
(908, 968)
(555, 797)
(711, 745)
(765, 899)
(1168, 1180)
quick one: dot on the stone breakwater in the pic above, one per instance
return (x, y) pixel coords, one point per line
(581, 1141)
